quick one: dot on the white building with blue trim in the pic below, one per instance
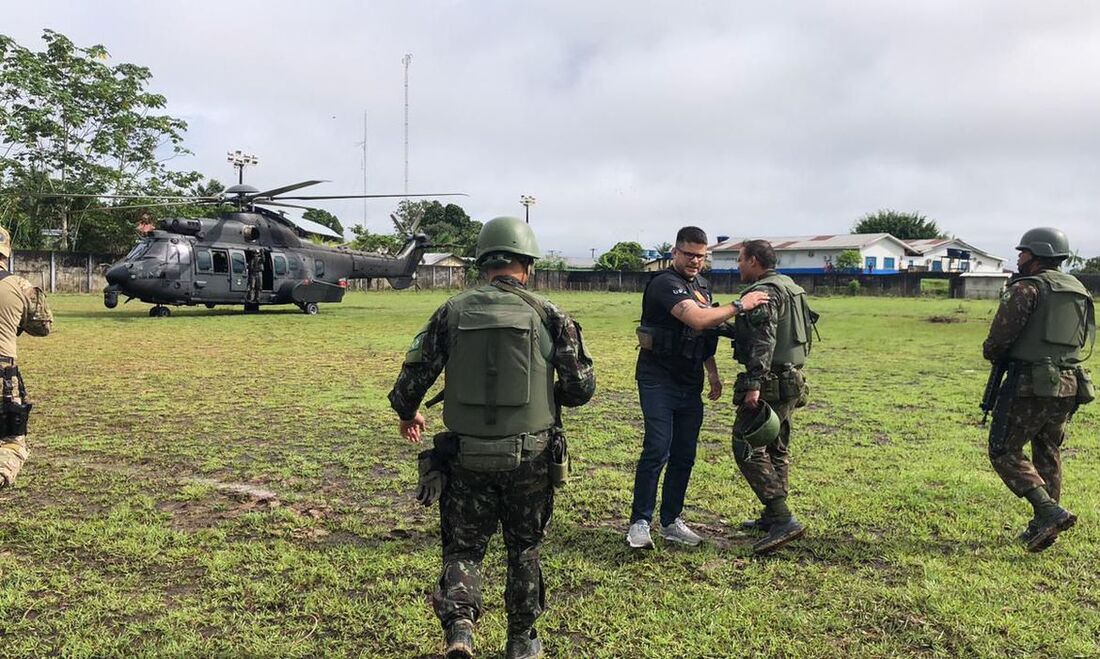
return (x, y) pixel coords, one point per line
(880, 253)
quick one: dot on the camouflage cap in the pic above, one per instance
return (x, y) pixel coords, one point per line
(5, 243)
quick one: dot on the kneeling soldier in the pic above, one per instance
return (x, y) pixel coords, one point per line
(22, 309)
(500, 346)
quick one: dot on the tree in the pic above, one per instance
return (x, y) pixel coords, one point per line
(624, 256)
(905, 226)
(324, 218)
(1087, 266)
(663, 248)
(551, 262)
(71, 123)
(448, 225)
(849, 259)
(383, 243)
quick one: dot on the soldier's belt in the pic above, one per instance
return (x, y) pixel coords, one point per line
(7, 360)
(500, 453)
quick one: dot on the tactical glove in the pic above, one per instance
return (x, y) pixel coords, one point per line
(432, 478)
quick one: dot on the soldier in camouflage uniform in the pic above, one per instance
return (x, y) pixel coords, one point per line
(23, 308)
(500, 346)
(772, 343)
(1046, 317)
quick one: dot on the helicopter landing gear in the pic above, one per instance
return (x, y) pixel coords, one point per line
(251, 307)
(309, 308)
(160, 311)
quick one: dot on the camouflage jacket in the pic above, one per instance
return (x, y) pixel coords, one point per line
(1018, 302)
(575, 382)
(759, 344)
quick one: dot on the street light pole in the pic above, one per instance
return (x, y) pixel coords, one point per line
(528, 201)
(239, 160)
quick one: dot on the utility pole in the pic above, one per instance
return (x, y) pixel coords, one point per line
(364, 145)
(406, 60)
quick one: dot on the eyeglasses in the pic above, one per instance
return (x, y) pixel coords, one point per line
(694, 256)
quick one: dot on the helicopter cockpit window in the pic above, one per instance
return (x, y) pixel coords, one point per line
(318, 268)
(221, 260)
(279, 262)
(138, 250)
(179, 253)
(238, 263)
(156, 249)
(203, 262)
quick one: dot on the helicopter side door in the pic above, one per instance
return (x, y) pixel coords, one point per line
(212, 274)
(238, 276)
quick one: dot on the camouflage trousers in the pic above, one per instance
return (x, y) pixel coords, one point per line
(765, 468)
(472, 505)
(13, 448)
(1018, 421)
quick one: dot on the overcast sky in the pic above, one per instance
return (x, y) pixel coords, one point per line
(627, 120)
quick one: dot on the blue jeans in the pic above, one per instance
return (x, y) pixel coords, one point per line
(673, 415)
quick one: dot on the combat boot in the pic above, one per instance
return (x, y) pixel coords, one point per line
(779, 534)
(1047, 527)
(459, 640)
(758, 525)
(524, 645)
(1025, 537)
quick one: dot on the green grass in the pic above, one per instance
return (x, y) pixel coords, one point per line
(124, 536)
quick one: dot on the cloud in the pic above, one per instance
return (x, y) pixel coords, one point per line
(628, 119)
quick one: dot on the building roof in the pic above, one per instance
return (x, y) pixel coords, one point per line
(432, 258)
(926, 245)
(822, 242)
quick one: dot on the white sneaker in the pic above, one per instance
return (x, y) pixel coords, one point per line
(638, 535)
(679, 532)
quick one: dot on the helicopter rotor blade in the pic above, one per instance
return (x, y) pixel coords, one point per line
(268, 202)
(268, 194)
(382, 196)
(121, 196)
(130, 206)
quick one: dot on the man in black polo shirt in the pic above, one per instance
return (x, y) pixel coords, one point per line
(675, 346)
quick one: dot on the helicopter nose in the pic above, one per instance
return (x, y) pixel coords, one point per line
(118, 275)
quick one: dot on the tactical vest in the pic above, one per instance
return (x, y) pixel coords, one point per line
(499, 379)
(1063, 321)
(675, 339)
(794, 325)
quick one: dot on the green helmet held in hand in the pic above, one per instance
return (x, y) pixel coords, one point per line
(761, 429)
(1045, 241)
(508, 235)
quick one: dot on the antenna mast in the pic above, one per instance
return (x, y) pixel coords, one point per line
(406, 60)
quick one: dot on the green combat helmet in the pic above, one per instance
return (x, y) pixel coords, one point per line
(509, 235)
(1045, 241)
(761, 429)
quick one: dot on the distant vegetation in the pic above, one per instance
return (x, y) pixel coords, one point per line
(623, 257)
(906, 226)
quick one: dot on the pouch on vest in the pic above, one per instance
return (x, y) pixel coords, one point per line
(1086, 391)
(560, 461)
(791, 384)
(478, 454)
(493, 353)
(769, 389)
(1046, 379)
(16, 416)
(645, 337)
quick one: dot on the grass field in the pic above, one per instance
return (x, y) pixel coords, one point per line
(216, 484)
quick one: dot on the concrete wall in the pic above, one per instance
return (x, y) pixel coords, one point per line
(63, 272)
(428, 277)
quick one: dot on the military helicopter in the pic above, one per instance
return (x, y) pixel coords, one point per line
(252, 256)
